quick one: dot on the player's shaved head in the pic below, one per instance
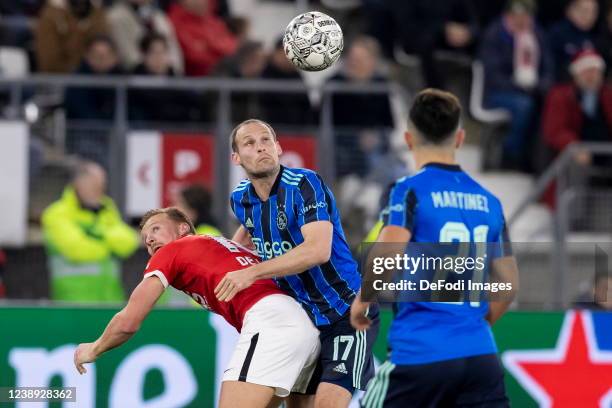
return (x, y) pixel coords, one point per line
(249, 122)
(435, 116)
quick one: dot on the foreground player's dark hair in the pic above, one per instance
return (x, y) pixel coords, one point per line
(171, 212)
(435, 114)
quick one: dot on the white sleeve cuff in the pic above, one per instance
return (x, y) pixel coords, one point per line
(160, 275)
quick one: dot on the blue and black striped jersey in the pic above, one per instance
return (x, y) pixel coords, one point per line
(298, 197)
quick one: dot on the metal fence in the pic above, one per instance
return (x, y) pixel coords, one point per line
(582, 200)
(222, 124)
(551, 270)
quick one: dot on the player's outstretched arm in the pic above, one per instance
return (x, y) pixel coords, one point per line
(505, 270)
(315, 250)
(123, 325)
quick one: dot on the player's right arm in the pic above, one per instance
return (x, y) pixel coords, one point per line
(397, 219)
(391, 241)
(159, 274)
(123, 325)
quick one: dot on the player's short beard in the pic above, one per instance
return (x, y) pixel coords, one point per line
(262, 174)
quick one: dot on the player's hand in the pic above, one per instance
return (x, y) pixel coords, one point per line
(359, 311)
(84, 353)
(232, 283)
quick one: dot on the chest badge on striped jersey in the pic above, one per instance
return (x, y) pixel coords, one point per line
(281, 220)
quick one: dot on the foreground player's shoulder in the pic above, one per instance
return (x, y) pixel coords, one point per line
(493, 202)
(305, 180)
(241, 187)
(239, 192)
(294, 177)
(401, 204)
(403, 187)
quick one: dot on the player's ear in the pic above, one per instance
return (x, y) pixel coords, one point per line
(184, 229)
(279, 148)
(459, 138)
(235, 158)
(409, 138)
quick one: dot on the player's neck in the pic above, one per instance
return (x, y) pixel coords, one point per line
(424, 156)
(263, 186)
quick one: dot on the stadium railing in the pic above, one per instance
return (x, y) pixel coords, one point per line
(577, 206)
(223, 122)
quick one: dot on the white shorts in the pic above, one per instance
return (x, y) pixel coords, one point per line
(277, 347)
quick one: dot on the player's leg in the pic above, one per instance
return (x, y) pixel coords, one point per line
(378, 387)
(244, 394)
(346, 360)
(482, 384)
(332, 396)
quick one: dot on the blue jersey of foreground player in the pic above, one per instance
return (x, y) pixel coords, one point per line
(441, 203)
(299, 197)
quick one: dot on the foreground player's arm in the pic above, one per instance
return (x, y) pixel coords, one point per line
(123, 325)
(391, 241)
(315, 250)
(505, 270)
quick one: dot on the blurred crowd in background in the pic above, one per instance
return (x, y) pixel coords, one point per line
(545, 65)
(527, 48)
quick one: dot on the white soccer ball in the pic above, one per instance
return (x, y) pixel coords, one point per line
(313, 41)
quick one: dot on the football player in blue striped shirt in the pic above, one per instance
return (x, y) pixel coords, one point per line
(289, 215)
(442, 353)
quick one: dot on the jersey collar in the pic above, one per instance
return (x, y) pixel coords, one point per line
(444, 166)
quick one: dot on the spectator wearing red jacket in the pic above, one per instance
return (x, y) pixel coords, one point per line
(203, 37)
(580, 110)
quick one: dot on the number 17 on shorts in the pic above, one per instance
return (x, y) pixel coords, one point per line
(346, 354)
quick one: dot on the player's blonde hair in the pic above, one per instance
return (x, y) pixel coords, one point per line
(247, 122)
(173, 213)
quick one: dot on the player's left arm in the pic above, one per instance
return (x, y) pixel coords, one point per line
(504, 270)
(123, 325)
(315, 250)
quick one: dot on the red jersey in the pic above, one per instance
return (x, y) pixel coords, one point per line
(195, 264)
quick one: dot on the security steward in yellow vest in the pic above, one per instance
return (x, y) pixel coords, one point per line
(85, 238)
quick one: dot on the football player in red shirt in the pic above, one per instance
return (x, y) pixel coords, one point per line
(267, 363)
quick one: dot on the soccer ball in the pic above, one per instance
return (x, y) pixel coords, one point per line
(313, 41)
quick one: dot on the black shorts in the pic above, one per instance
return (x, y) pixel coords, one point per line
(346, 357)
(475, 382)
